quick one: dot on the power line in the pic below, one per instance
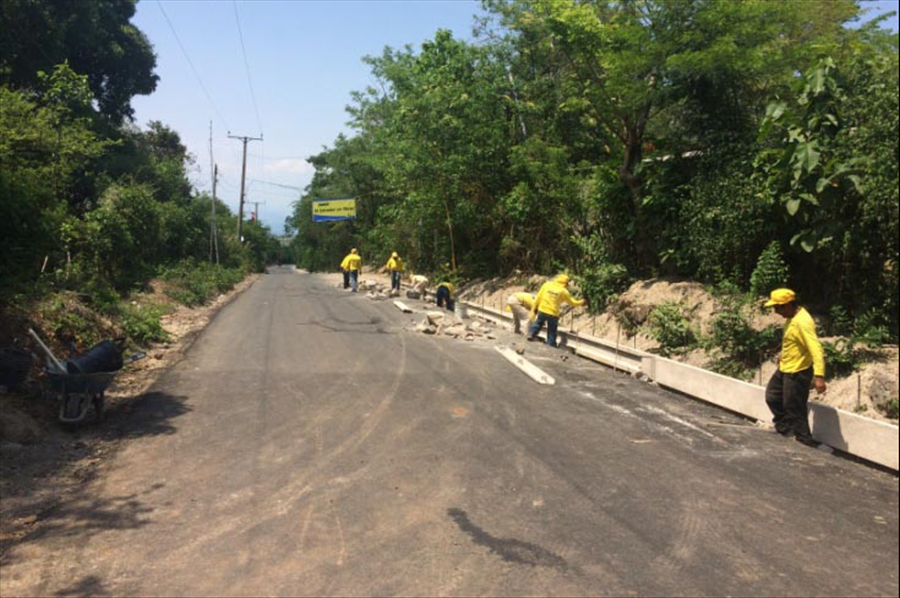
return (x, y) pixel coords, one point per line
(276, 185)
(279, 157)
(190, 62)
(237, 19)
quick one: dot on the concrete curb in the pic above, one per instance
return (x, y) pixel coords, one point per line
(869, 439)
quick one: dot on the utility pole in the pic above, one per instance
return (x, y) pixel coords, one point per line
(256, 205)
(245, 139)
(213, 229)
(214, 232)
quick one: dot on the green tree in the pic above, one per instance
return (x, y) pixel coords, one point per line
(96, 38)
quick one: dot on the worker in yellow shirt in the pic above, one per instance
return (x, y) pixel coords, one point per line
(800, 364)
(395, 267)
(351, 266)
(444, 295)
(520, 305)
(546, 307)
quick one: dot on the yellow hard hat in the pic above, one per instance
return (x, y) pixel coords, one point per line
(394, 255)
(562, 279)
(780, 297)
(353, 250)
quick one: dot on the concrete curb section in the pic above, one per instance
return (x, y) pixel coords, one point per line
(869, 439)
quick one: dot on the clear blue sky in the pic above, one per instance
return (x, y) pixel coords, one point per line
(305, 58)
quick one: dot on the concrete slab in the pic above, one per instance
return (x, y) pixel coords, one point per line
(531, 370)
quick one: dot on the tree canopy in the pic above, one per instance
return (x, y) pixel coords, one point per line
(629, 138)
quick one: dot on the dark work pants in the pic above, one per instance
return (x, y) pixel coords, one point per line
(787, 396)
(552, 325)
(346, 279)
(443, 298)
(395, 280)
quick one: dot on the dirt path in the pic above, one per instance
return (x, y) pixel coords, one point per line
(39, 475)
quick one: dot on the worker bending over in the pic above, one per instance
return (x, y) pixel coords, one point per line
(419, 284)
(520, 305)
(546, 307)
(444, 295)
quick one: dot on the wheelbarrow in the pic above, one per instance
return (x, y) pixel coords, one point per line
(76, 387)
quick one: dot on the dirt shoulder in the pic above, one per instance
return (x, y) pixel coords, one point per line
(41, 463)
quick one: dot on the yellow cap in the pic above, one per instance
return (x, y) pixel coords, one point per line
(394, 255)
(353, 250)
(780, 297)
(562, 279)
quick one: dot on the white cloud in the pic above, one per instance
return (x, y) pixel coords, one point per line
(289, 165)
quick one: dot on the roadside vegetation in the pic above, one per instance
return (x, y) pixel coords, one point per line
(742, 145)
(746, 144)
(93, 208)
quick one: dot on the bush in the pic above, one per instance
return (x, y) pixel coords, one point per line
(841, 357)
(668, 326)
(194, 283)
(65, 318)
(870, 329)
(142, 323)
(598, 278)
(841, 322)
(771, 271)
(600, 285)
(738, 346)
(890, 408)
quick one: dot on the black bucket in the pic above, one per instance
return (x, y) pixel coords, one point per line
(102, 357)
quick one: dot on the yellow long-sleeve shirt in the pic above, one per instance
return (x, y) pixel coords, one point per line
(395, 264)
(551, 296)
(351, 262)
(801, 348)
(526, 300)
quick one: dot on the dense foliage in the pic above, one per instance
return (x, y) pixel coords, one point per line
(93, 207)
(747, 143)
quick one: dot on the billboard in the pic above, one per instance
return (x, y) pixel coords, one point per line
(332, 210)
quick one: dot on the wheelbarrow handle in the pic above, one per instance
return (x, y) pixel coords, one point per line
(51, 358)
(132, 358)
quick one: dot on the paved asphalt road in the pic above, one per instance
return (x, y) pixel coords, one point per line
(311, 444)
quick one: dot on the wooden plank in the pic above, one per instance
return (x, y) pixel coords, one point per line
(531, 370)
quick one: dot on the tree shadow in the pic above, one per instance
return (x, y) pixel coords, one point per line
(150, 414)
(87, 586)
(81, 516)
(46, 487)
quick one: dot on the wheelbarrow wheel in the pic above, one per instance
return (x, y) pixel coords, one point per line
(71, 405)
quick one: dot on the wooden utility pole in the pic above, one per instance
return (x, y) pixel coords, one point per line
(240, 230)
(214, 233)
(256, 205)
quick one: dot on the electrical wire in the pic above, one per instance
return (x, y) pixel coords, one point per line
(237, 20)
(193, 69)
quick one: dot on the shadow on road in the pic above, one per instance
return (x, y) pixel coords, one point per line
(151, 414)
(46, 487)
(87, 586)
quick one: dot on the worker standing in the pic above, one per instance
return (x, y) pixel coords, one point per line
(520, 305)
(395, 267)
(546, 307)
(444, 295)
(351, 266)
(800, 363)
